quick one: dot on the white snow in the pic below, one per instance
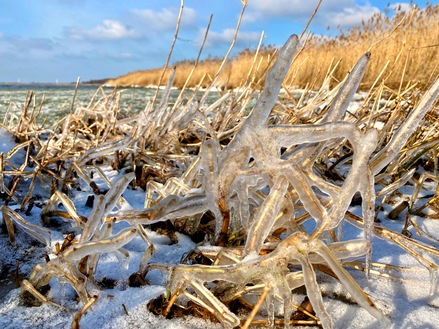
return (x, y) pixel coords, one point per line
(405, 299)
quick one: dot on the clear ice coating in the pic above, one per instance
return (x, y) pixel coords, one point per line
(387, 153)
(260, 180)
(254, 154)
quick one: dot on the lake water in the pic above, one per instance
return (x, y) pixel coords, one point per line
(58, 98)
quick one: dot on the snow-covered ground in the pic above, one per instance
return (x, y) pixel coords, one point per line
(406, 301)
(404, 297)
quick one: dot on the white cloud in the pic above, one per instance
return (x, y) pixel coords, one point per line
(166, 18)
(260, 9)
(332, 12)
(352, 16)
(1, 35)
(226, 37)
(108, 30)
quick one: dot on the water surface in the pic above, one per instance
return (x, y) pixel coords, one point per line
(58, 98)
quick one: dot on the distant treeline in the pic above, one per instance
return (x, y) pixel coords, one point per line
(405, 49)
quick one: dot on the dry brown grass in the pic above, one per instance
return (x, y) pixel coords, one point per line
(408, 42)
(406, 45)
(233, 75)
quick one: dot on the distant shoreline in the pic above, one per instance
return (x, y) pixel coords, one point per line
(61, 84)
(73, 85)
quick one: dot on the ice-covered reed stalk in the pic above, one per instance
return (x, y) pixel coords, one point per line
(410, 124)
(254, 155)
(254, 179)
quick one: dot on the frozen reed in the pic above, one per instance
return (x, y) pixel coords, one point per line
(264, 190)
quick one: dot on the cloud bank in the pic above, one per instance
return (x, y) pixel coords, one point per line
(108, 30)
(344, 13)
(165, 19)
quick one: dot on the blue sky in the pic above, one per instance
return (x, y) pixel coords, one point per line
(59, 40)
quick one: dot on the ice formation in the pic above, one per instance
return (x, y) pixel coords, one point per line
(260, 188)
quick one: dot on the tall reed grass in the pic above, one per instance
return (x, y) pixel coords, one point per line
(404, 46)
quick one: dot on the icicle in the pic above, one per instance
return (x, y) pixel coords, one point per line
(347, 91)
(348, 282)
(124, 261)
(306, 194)
(352, 183)
(165, 98)
(209, 163)
(275, 77)
(271, 310)
(95, 219)
(368, 208)
(313, 292)
(266, 216)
